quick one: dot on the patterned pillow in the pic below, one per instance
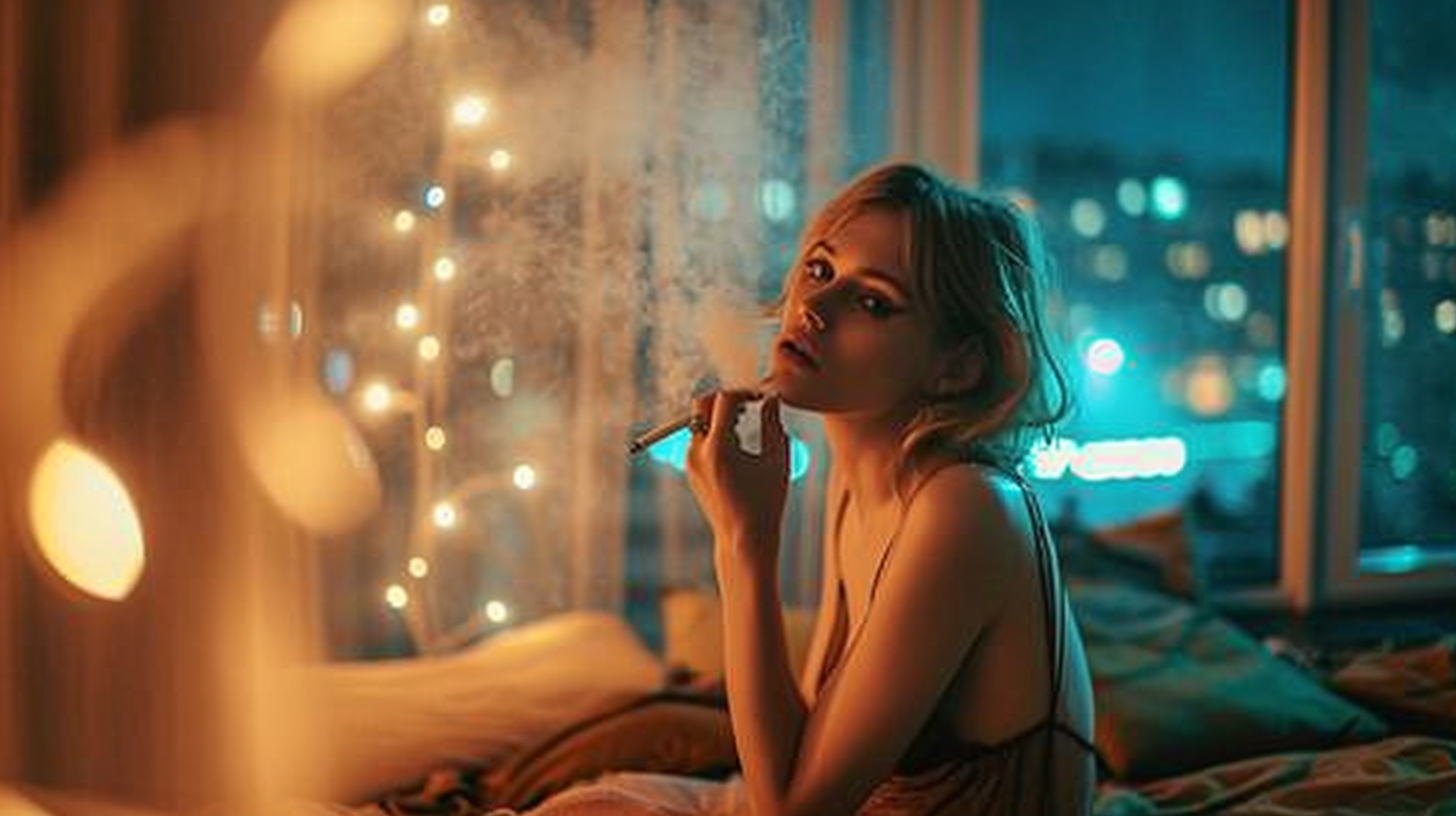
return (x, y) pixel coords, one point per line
(674, 731)
(1178, 688)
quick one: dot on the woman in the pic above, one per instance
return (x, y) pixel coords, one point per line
(945, 674)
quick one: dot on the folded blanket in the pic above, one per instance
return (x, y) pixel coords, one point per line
(1415, 688)
(1393, 777)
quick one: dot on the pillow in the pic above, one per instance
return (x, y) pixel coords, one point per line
(692, 623)
(1177, 688)
(672, 732)
(376, 727)
(1155, 550)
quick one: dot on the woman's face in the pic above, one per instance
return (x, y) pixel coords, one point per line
(850, 307)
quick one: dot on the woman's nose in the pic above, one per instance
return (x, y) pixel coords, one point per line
(810, 312)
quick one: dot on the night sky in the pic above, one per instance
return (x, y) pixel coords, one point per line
(1139, 78)
(1205, 80)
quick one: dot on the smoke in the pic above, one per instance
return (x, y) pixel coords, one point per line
(639, 140)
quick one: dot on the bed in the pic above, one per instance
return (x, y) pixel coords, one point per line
(1195, 715)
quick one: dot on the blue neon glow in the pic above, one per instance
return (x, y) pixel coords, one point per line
(673, 451)
(778, 200)
(1147, 458)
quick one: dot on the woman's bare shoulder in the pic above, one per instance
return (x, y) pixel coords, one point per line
(983, 503)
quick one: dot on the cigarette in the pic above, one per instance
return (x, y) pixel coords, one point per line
(663, 431)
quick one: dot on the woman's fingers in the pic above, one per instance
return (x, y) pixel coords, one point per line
(726, 410)
(702, 415)
(772, 426)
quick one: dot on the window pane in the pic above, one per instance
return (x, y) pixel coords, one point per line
(529, 206)
(1155, 165)
(1408, 499)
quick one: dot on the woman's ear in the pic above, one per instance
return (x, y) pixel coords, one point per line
(963, 368)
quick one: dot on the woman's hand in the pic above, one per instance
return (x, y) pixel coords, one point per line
(742, 494)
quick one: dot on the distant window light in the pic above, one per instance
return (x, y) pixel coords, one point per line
(1169, 198)
(1109, 262)
(1088, 218)
(1446, 316)
(1132, 197)
(1403, 462)
(1272, 382)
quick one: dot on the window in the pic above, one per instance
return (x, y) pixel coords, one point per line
(1154, 162)
(1394, 292)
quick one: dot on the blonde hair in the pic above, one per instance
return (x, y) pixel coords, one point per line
(978, 265)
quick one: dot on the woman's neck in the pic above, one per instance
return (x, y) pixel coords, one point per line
(865, 453)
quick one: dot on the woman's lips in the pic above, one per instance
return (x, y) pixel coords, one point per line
(793, 353)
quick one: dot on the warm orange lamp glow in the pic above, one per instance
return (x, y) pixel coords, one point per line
(84, 522)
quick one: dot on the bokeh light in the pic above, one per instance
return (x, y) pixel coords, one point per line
(84, 523)
(445, 515)
(469, 111)
(407, 316)
(524, 477)
(1105, 356)
(396, 596)
(444, 269)
(1169, 198)
(778, 200)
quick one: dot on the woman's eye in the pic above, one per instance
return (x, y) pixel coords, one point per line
(876, 306)
(817, 270)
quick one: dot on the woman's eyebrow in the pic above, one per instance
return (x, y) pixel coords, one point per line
(868, 271)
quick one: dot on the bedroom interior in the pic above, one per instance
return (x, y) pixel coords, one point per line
(326, 324)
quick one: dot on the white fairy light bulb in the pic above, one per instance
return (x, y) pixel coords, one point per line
(524, 477)
(444, 269)
(445, 515)
(396, 596)
(470, 110)
(378, 397)
(407, 316)
(435, 438)
(429, 347)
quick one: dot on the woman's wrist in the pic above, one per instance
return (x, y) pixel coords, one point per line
(746, 556)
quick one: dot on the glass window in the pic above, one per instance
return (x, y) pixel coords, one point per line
(1408, 485)
(1154, 162)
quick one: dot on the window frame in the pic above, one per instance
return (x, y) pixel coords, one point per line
(1341, 29)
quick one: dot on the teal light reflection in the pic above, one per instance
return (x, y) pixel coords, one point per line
(673, 451)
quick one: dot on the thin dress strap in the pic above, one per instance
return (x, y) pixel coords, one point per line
(1054, 634)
